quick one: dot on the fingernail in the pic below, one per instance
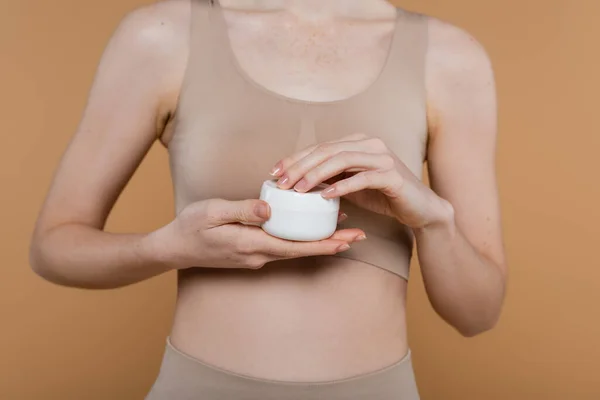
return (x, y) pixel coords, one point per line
(360, 238)
(283, 181)
(262, 211)
(328, 192)
(343, 247)
(343, 217)
(276, 169)
(301, 186)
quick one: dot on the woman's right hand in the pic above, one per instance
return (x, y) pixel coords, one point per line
(216, 234)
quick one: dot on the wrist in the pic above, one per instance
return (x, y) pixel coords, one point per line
(441, 219)
(154, 250)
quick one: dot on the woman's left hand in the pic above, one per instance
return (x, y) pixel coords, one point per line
(363, 170)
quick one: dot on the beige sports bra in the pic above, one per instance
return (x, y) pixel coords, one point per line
(230, 131)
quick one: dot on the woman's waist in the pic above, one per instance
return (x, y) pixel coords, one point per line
(317, 318)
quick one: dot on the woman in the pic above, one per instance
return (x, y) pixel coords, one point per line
(355, 93)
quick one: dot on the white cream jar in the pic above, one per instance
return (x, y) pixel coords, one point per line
(299, 216)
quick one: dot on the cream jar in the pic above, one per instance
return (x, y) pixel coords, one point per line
(299, 216)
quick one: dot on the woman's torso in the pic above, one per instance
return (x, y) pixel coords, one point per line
(258, 87)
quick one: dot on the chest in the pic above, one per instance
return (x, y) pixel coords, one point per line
(255, 94)
(323, 60)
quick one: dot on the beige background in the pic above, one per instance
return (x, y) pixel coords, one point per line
(58, 343)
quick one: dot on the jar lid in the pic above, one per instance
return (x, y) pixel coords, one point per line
(290, 199)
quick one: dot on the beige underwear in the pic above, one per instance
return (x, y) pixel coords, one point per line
(182, 377)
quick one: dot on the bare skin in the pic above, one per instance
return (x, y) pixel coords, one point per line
(456, 224)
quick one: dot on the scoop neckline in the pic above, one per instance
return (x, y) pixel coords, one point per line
(232, 58)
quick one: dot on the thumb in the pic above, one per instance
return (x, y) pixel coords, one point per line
(244, 211)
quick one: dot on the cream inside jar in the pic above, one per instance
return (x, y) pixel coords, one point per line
(299, 216)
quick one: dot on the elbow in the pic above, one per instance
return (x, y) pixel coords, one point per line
(46, 263)
(478, 326)
(485, 315)
(36, 258)
(475, 330)
(40, 263)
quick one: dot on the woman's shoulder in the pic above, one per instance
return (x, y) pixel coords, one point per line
(143, 63)
(150, 46)
(158, 27)
(446, 36)
(459, 75)
(455, 56)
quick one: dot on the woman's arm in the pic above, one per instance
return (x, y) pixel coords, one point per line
(462, 256)
(133, 93)
(457, 224)
(132, 97)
